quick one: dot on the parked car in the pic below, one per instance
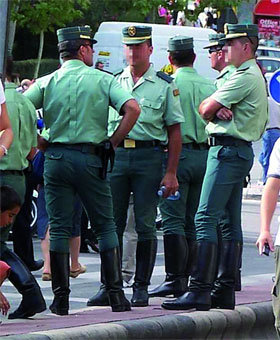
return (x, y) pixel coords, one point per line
(269, 65)
(265, 51)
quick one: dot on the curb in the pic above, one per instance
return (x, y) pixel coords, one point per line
(253, 321)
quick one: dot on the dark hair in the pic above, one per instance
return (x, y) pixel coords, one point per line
(70, 48)
(9, 198)
(254, 42)
(183, 58)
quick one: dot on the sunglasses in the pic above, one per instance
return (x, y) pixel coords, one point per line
(211, 50)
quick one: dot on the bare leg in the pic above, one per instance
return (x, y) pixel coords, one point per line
(74, 243)
(45, 246)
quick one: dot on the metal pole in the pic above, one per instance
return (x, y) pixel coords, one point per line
(4, 28)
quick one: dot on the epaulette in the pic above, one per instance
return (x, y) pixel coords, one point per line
(243, 69)
(222, 75)
(165, 76)
(105, 71)
(117, 72)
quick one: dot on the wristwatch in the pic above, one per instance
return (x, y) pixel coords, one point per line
(5, 149)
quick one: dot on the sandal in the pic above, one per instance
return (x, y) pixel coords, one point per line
(75, 273)
(46, 277)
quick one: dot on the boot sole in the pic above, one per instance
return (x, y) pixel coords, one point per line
(27, 314)
(197, 307)
(139, 304)
(121, 309)
(61, 312)
(175, 295)
(98, 304)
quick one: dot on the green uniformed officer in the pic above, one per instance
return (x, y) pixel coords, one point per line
(138, 165)
(178, 215)
(75, 101)
(23, 118)
(220, 63)
(237, 114)
(218, 58)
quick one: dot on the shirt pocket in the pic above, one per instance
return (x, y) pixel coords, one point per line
(151, 110)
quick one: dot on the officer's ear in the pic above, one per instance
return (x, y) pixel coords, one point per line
(170, 59)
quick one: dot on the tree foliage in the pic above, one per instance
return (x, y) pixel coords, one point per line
(46, 15)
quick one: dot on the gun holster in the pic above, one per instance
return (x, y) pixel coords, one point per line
(106, 153)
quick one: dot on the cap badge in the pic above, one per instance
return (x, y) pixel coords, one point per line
(131, 31)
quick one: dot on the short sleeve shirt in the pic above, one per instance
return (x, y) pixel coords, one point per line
(2, 95)
(75, 100)
(23, 119)
(274, 161)
(159, 102)
(193, 90)
(245, 94)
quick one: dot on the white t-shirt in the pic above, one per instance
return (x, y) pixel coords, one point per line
(274, 171)
(2, 95)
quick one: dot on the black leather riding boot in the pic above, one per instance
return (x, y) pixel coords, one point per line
(191, 261)
(111, 264)
(145, 260)
(60, 282)
(101, 298)
(237, 286)
(223, 295)
(175, 255)
(201, 281)
(20, 276)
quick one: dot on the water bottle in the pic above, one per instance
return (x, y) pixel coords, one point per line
(174, 197)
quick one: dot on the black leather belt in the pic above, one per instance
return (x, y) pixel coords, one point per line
(82, 147)
(195, 146)
(132, 144)
(12, 172)
(274, 128)
(227, 141)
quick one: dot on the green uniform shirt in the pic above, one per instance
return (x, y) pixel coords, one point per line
(159, 102)
(193, 90)
(23, 118)
(224, 75)
(75, 101)
(245, 94)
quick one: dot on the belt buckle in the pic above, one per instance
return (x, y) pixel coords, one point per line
(129, 144)
(211, 141)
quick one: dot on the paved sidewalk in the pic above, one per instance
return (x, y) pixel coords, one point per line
(253, 314)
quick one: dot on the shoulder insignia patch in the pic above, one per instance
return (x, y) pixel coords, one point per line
(176, 92)
(242, 69)
(165, 76)
(118, 71)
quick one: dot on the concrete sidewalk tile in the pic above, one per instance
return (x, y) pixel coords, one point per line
(248, 319)
(264, 319)
(110, 331)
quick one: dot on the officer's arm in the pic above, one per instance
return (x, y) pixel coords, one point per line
(131, 112)
(268, 205)
(174, 149)
(5, 126)
(208, 108)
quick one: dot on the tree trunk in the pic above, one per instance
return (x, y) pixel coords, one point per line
(40, 52)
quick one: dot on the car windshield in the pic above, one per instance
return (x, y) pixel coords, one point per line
(268, 52)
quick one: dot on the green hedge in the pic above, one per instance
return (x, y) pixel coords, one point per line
(26, 68)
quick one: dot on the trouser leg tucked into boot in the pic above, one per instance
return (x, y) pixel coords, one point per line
(223, 295)
(145, 260)
(201, 281)
(60, 282)
(110, 262)
(20, 276)
(176, 255)
(237, 286)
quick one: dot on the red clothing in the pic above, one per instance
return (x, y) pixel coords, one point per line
(4, 271)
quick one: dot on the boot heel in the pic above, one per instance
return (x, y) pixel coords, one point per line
(118, 302)
(60, 305)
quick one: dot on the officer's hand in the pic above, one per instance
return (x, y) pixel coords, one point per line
(171, 184)
(4, 304)
(224, 114)
(42, 143)
(265, 237)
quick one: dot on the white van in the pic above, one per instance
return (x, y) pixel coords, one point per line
(110, 50)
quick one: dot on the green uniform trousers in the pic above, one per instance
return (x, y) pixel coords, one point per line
(178, 216)
(222, 189)
(67, 173)
(17, 182)
(139, 171)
